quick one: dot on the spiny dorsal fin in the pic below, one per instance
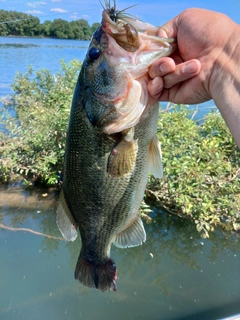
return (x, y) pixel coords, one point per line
(65, 221)
(155, 158)
(133, 236)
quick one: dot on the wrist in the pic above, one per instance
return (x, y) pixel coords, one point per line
(224, 85)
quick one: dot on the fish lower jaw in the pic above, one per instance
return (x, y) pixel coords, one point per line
(95, 275)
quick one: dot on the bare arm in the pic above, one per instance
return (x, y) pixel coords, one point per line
(225, 84)
(207, 64)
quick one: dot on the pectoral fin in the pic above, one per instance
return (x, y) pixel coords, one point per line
(133, 236)
(65, 221)
(155, 158)
(122, 159)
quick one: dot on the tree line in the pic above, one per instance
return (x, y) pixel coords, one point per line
(21, 24)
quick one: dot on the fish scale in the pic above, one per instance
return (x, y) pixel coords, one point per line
(111, 146)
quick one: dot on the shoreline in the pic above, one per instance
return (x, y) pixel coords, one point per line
(39, 37)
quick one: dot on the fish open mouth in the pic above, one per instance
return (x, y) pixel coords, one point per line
(117, 24)
(126, 29)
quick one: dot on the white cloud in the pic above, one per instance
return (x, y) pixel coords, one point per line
(35, 12)
(74, 15)
(85, 16)
(36, 4)
(58, 10)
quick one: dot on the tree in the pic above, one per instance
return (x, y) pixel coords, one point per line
(43, 29)
(94, 26)
(31, 27)
(4, 30)
(76, 30)
(21, 24)
(85, 28)
(17, 23)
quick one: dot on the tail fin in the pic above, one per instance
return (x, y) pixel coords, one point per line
(99, 276)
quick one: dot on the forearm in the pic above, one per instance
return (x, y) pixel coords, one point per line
(225, 84)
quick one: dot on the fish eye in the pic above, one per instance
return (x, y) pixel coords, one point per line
(94, 53)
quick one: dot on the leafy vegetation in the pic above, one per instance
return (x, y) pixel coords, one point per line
(200, 158)
(35, 139)
(201, 164)
(22, 24)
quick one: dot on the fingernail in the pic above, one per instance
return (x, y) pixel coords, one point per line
(165, 67)
(190, 68)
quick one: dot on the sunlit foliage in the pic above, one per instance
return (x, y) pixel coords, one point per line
(21, 24)
(35, 138)
(201, 170)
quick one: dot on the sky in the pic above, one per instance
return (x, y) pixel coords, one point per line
(155, 12)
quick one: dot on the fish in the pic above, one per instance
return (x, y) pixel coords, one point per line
(111, 145)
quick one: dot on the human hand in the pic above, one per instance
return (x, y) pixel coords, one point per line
(195, 68)
(170, 78)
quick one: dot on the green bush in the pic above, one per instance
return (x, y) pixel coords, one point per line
(35, 139)
(200, 159)
(201, 170)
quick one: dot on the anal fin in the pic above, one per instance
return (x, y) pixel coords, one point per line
(155, 158)
(134, 235)
(65, 221)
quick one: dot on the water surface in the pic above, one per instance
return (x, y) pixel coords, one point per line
(174, 275)
(17, 53)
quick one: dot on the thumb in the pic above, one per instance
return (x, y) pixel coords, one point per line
(169, 29)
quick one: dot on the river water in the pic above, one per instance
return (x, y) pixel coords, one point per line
(175, 275)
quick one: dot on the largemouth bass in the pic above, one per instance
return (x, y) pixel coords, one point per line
(111, 145)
